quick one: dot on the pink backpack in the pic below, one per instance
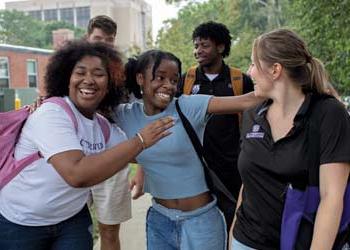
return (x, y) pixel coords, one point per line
(11, 124)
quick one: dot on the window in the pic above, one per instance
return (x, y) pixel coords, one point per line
(67, 15)
(83, 16)
(50, 15)
(4, 72)
(35, 14)
(32, 73)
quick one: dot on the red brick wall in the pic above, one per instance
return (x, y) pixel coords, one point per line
(18, 67)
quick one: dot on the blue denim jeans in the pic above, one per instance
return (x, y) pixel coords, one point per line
(171, 229)
(236, 245)
(74, 233)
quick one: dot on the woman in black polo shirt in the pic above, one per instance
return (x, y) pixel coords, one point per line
(297, 128)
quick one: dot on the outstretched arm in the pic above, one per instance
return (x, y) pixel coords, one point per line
(79, 170)
(232, 104)
(333, 180)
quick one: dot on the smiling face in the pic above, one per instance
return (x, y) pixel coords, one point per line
(98, 35)
(88, 85)
(262, 79)
(206, 52)
(160, 91)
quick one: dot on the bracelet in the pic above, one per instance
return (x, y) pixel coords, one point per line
(142, 140)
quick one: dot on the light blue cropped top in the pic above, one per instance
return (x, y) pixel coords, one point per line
(172, 168)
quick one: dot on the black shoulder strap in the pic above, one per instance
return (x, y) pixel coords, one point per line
(212, 180)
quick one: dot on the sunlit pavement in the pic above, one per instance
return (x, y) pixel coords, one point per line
(132, 232)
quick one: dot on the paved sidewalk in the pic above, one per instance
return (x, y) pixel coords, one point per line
(132, 232)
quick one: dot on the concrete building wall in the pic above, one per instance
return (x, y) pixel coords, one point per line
(133, 17)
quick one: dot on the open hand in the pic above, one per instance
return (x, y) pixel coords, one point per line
(136, 183)
(155, 131)
(36, 104)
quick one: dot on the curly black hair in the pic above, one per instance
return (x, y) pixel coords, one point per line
(139, 65)
(62, 62)
(217, 32)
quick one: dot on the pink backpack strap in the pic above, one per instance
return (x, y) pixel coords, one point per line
(63, 104)
(8, 173)
(104, 124)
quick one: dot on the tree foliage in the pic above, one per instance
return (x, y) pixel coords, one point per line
(244, 18)
(176, 35)
(323, 24)
(326, 27)
(173, 1)
(17, 28)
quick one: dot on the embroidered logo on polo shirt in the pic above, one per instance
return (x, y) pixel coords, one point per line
(255, 132)
(195, 89)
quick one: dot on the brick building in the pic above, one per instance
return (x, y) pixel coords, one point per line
(22, 67)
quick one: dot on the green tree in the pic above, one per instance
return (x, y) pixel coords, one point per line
(326, 27)
(172, 1)
(245, 19)
(176, 35)
(323, 24)
(254, 18)
(19, 29)
(133, 50)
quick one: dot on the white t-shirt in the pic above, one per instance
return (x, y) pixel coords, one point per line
(211, 77)
(38, 195)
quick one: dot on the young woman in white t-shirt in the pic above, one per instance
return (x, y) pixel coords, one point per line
(44, 206)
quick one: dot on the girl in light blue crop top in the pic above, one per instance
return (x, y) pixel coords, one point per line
(183, 215)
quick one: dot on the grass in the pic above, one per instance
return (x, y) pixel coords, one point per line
(133, 167)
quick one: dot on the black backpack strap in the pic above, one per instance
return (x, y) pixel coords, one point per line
(213, 181)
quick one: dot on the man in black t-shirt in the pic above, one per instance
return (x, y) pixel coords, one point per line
(212, 42)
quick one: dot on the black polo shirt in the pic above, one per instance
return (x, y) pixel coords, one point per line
(221, 136)
(321, 134)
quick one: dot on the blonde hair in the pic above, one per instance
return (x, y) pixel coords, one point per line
(285, 47)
